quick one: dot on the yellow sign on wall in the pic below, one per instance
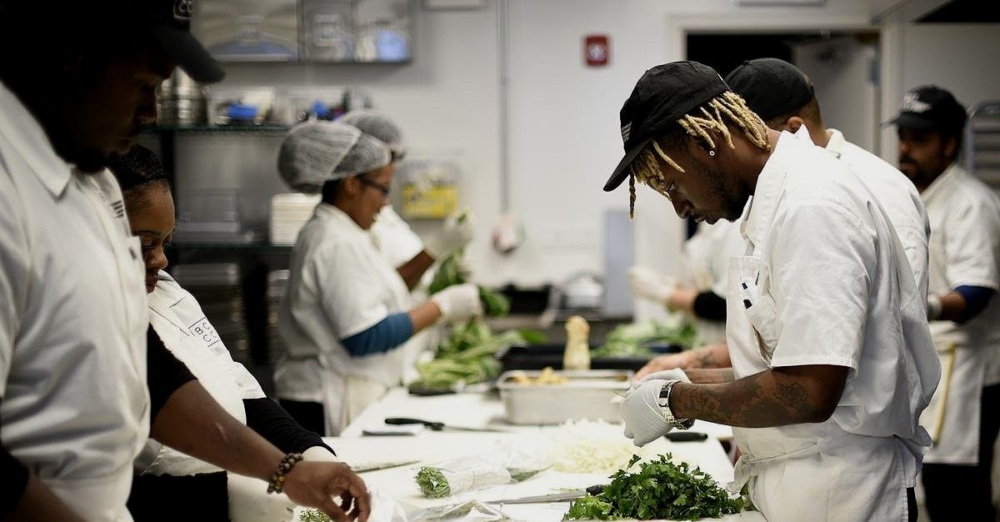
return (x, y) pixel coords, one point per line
(429, 202)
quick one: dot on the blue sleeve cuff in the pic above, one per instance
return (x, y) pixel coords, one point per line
(976, 299)
(387, 334)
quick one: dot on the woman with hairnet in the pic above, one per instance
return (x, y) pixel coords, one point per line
(346, 316)
(412, 256)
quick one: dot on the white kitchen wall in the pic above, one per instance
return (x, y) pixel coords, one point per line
(963, 58)
(563, 116)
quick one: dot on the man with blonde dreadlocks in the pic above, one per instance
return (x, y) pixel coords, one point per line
(832, 359)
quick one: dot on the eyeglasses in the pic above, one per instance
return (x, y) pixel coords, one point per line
(660, 185)
(384, 189)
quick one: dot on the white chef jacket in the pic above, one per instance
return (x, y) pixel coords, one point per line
(75, 405)
(394, 237)
(182, 326)
(399, 244)
(965, 251)
(706, 256)
(827, 279)
(898, 197)
(339, 285)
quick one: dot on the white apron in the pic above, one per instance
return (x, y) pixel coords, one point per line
(191, 338)
(186, 332)
(803, 472)
(933, 417)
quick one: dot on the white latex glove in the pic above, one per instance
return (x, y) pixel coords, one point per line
(644, 420)
(249, 501)
(650, 284)
(675, 374)
(455, 234)
(458, 302)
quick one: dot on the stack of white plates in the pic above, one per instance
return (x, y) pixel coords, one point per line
(289, 212)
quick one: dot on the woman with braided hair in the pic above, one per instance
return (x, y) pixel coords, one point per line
(832, 359)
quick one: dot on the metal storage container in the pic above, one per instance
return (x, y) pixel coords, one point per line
(592, 395)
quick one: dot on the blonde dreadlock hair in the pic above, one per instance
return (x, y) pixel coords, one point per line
(727, 106)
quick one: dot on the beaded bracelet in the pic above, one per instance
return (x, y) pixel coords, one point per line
(277, 482)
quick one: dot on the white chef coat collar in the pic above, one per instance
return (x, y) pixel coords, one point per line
(940, 185)
(29, 140)
(836, 142)
(328, 212)
(757, 216)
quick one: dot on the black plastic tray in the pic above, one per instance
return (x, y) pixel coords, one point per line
(540, 356)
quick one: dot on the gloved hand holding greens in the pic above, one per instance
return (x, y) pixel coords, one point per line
(450, 273)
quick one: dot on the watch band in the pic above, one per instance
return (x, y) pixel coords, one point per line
(664, 403)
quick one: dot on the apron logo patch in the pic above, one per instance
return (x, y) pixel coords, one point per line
(204, 331)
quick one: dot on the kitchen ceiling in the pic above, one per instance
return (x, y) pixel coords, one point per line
(961, 12)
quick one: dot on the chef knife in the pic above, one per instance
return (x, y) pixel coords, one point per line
(562, 496)
(438, 426)
(375, 466)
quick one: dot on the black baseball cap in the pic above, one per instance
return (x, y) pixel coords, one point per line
(770, 86)
(930, 107)
(170, 23)
(662, 96)
(167, 21)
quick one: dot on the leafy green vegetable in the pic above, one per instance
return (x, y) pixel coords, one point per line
(468, 356)
(433, 483)
(495, 304)
(448, 273)
(660, 489)
(314, 515)
(635, 338)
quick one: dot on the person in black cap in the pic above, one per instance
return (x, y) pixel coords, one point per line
(77, 82)
(964, 312)
(826, 389)
(784, 97)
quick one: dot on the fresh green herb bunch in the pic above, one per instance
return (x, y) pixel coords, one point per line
(433, 483)
(660, 489)
(314, 515)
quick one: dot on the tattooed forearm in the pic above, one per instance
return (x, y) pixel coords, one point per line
(761, 400)
(712, 356)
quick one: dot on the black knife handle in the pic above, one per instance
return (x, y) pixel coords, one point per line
(685, 436)
(436, 426)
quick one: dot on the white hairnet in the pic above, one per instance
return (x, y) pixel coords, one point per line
(316, 152)
(366, 155)
(377, 124)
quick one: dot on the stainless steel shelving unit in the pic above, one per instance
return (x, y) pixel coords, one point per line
(982, 142)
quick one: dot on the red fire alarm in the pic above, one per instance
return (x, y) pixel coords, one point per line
(596, 50)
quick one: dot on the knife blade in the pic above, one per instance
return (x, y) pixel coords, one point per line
(562, 496)
(439, 426)
(375, 466)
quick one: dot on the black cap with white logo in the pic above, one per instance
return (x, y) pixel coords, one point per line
(662, 96)
(930, 107)
(170, 23)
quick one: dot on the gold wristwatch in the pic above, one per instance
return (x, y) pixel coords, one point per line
(664, 403)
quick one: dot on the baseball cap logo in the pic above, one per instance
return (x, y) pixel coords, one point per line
(912, 103)
(183, 10)
(626, 130)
